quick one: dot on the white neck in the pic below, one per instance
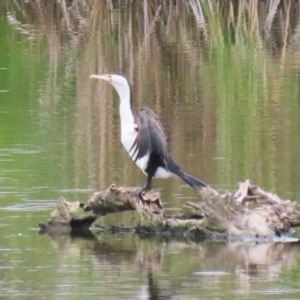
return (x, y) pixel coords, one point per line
(126, 114)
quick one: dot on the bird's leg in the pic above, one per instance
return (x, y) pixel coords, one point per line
(149, 181)
(147, 186)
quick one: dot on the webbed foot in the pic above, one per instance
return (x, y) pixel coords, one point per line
(138, 193)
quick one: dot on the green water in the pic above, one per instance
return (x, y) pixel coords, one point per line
(226, 90)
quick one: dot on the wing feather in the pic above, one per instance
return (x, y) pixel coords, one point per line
(151, 136)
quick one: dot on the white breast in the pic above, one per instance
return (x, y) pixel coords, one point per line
(128, 137)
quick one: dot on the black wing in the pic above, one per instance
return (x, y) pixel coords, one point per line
(151, 136)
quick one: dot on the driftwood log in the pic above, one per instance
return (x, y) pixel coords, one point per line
(249, 212)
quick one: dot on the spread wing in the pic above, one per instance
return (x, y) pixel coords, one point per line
(151, 136)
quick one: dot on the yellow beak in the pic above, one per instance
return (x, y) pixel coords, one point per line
(105, 77)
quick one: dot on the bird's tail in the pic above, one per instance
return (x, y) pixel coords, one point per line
(189, 179)
(192, 181)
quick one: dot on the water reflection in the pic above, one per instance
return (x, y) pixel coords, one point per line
(222, 87)
(246, 268)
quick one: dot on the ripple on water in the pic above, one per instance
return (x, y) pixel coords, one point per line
(77, 190)
(31, 205)
(21, 150)
(211, 273)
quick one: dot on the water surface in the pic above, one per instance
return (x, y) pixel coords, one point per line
(223, 80)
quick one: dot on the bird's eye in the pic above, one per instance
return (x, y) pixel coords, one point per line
(109, 78)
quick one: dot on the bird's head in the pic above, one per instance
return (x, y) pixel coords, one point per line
(117, 80)
(120, 83)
